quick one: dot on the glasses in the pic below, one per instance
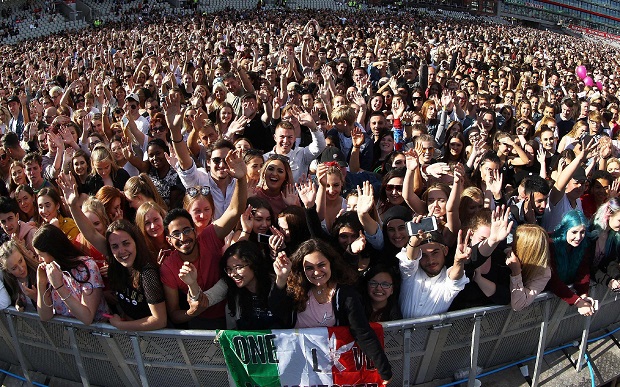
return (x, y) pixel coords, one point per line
(218, 160)
(177, 234)
(235, 269)
(132, 107)
(394, 187)
(384, 285)
(158, 129)
(195, 191)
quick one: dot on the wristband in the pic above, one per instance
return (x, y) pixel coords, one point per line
(60, 287)
(178, 142)
(197, 297)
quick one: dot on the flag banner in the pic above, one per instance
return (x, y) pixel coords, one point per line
(323, 357)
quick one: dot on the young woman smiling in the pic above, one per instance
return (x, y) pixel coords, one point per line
(276, 183)
(314, 289)
(105, 172)
(51, 212)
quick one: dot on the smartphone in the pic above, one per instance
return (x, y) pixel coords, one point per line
(427, 224)
(263, 238)
(125, 121)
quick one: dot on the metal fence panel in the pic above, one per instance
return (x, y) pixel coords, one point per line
(419, 350)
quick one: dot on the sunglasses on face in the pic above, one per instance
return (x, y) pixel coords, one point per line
(218, 160)
(158, 129)
(392, 187)
(192, 192)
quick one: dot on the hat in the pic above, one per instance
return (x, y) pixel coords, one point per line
(396, 212)
(133, 96)
(219, 85)
(331, 153)
(13, 98)
(580, 174)
(432, 237)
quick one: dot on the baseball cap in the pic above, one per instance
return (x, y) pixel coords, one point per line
(331, 153)
(432, 237)
(13, 98)
(133, 96)
(580, 174)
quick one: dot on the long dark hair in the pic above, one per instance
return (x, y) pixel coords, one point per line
(11, 282)
(383, 314)
(247, 252)
(297, 283)
(119, 276)
(295, 217)
(50, 239)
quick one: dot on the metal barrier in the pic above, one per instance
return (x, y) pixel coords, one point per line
(419, 350)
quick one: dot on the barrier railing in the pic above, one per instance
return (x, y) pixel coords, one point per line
(419, 350)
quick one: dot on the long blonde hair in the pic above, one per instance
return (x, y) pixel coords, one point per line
(531, 246)
(141, 214)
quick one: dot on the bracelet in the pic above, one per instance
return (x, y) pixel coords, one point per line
(177, 142)
(197, 297)
(60, 287)
(243, 232)
(66, 298)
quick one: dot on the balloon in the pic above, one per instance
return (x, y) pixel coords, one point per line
(588, 81)
(581, 72)
(599, 84)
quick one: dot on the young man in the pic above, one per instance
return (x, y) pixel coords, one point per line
(34, 172)
(202, 253)
(299, 157)
(12, 226)
(427, 286)
(343, 118)
(567, 190)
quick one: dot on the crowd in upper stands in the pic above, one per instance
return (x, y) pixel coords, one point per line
(272, 169)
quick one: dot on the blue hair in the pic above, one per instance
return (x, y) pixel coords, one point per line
(568, 260)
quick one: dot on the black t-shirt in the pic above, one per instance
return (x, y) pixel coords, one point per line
(135, 302)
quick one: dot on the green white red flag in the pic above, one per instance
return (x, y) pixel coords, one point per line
(298, 357)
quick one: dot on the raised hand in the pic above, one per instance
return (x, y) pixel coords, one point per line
(459, 174)
(171, 158)
(463, 248)
(307, 192)
(398, 108)
(357, 137)
(236, 165)
(494, 183)
(365, 198)
(68, 186)
(438, 169)
(238, 125)
(188, 274)
(412, 159)
(282, 267)
(290, 195)
(512, 261)
(276, 241)
(321, 174)
(247, 220)
(359, 244)
(500, 224)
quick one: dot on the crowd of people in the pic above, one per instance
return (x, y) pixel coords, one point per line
(273, 169)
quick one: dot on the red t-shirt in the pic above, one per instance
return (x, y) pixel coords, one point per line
(207, 265)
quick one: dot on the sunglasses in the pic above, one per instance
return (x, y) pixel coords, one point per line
(218, 160)
(192, 192)
(278, 157)
(392, 187)
(158, 129)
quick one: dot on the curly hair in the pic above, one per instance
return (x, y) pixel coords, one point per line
(298, 284)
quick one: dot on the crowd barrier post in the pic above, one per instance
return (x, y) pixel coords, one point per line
(556, 320)
(135, 343)
(18, 349)
(475, 341)
(77, 356)
(584, 343)
(438, 334)
(116, 357)
(540, 352)
(406, 355)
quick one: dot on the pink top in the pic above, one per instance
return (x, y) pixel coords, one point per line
(93, 282)
(316, 315)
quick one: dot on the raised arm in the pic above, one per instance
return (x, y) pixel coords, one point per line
(411, 198)
(557, 191)
(453, 222)
(67, 184)
(237, 169)
(174, 119)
